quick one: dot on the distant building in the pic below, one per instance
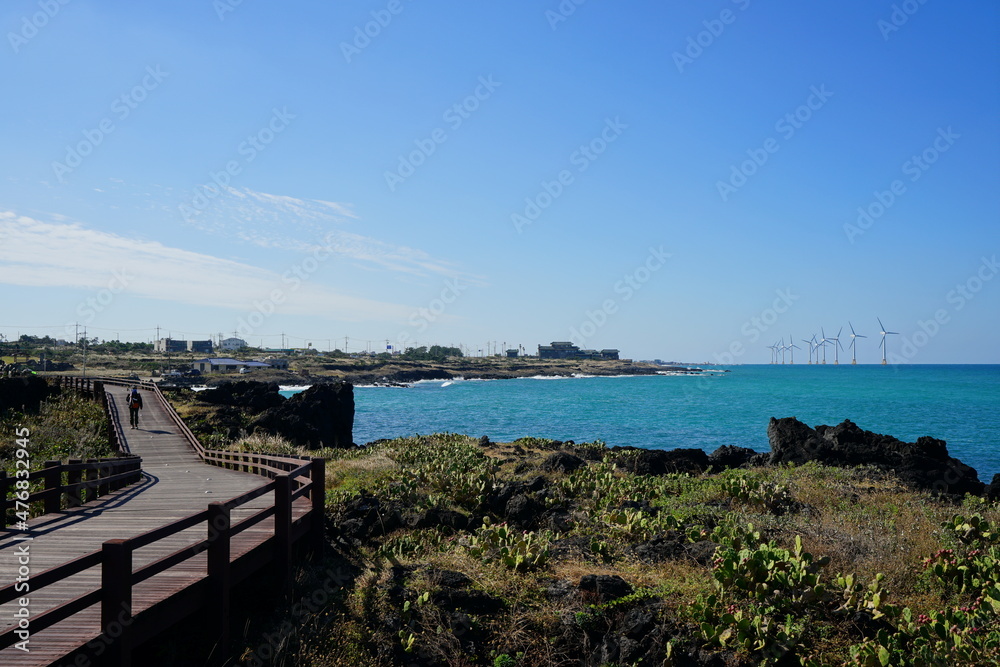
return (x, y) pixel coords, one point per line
(172, 345)
(199, 346)
(566, 350)
(229, 344)
(275, 362)
(225, 365)
(512, 354)
(558, 350)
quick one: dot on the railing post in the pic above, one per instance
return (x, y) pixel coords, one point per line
(116, 600)
(74, 497)
(91, 476)
(114, 469)
(104, 472)
(317, 494)
(283, 529)
(219, 526)
(53, 486)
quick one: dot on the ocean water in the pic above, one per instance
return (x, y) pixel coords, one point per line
(959, 404)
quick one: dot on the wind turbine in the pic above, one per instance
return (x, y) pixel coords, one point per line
(854, 344)
(781, 346)
(884, 334)
(836, 344)
(822, 343)
(791, 347)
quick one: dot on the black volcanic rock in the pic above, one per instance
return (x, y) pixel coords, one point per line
(924, 464)
(321, 416)
(660, 461)
(249, 394)
(605, 587)
(523, 511)
(993, 490)
(24, 393)
(729, 456)
(563, 462)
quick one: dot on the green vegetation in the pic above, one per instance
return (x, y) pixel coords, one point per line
(793, 565)
(67, 426)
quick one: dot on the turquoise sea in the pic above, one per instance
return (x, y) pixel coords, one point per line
(959, 404)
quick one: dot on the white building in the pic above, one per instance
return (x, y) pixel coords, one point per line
(229, 344)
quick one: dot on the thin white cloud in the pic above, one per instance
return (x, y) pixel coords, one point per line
(57, 254)
(289, 223)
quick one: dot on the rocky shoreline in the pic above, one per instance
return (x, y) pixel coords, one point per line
(323, 416)
(401, 373)
(622, 555)
(455, 550)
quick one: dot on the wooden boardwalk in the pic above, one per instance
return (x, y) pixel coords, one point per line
(175, 484)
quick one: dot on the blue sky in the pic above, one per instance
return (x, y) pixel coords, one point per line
(677, 180)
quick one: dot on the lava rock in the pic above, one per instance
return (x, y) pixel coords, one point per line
(563, 462)
(729, 456)
(556, 520)
(501, 495)
(24, 393)
(523, 511)
(559, 589)
(661, 461)
(449, 578)
(320, 416)
(924, 464)
(660, 548)
(366, 516)
(249, 394)
(605, 587)
(538, 483)
(993, 490)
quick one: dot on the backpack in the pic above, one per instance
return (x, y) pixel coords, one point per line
(134, 401)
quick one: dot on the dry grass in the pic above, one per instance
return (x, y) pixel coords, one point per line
(866, 523)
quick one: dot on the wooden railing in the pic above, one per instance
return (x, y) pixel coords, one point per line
(66, 484)
(291, 478)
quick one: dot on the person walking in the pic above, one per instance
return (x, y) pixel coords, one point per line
(134, 405)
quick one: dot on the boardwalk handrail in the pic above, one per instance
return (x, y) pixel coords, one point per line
(96, 477)
(285, 528)
(291, 478)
